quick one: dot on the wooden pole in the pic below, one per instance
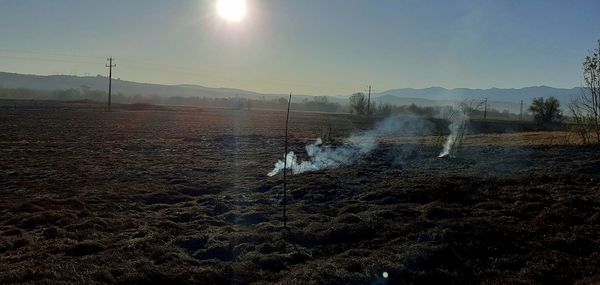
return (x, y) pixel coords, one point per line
(287, 118)
(521, 112)
(110, 66)
(484, 109)
(369, 102)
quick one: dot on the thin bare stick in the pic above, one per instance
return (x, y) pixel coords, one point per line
(287, 118)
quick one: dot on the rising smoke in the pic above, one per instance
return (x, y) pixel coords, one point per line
(459, 121)
(457, 127)
(356, 147)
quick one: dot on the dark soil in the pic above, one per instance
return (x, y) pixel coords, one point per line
(182, 197)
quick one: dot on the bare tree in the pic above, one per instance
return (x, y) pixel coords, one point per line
(590, 99)
(546, 111)
(459, 117)
(466, 109)
(385, 109)
(586, 108)
(582, 124)
(358, 103)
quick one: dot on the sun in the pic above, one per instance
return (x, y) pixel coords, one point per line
(231, 10)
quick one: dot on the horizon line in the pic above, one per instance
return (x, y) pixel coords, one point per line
(284, 93)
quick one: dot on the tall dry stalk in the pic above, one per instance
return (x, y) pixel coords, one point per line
(287, 118)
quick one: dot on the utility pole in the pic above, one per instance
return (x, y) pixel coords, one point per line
(110, 65)
(485, 109)
(521, 113)
(369, 102)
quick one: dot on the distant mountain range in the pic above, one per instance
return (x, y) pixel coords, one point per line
(494, 94)
(62, 82)
(434, 96)
(500, 99)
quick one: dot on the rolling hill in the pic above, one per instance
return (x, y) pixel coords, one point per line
(433, 96)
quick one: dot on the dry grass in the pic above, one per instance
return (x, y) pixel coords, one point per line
(181, 197)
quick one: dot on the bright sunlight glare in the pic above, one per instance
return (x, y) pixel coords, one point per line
(231, 10)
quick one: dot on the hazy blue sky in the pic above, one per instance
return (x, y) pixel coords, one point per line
(305, 46)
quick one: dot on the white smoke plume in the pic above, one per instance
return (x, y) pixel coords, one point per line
(357, 146)
(456, 127)
(459, 119)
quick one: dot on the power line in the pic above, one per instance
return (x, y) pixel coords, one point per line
(48, 59)
(152, 67)
(145, 65)
(48, 53)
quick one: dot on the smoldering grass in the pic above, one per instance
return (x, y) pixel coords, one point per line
(355, 148)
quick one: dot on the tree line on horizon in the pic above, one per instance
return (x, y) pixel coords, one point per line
(316, 104)
(583, 111)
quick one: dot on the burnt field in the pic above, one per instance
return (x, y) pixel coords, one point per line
(166, 196)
